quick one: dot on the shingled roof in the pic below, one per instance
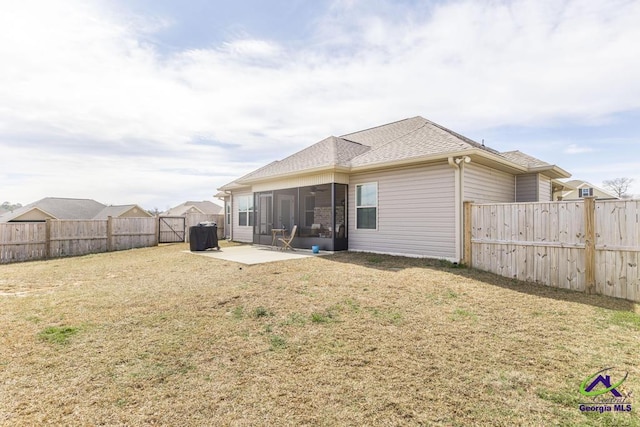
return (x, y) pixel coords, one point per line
(60, 208)
(523, 159)
(331, 151)
(421, 138)
(205, 207)
(117, 210)
(407, 139)
(67, 208)
(383, 134)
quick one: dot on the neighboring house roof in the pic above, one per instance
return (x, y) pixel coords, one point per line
(59, 208)
(2, 213)
(118, 210)
(205, 207)
(67, 208)
(413, 139)
(578, 184)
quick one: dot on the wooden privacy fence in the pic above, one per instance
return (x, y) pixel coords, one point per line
(176, 228)
(171, 229)
(591, 246)
(59, 238)
(193, 219)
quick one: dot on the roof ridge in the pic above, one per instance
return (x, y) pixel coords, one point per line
(342, 138)
(392, 140)
(464, 138)
(68, 198)
(379, 126)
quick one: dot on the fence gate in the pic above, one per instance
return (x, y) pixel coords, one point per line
(172, 229)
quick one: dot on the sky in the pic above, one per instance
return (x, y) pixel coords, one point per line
(156, 102)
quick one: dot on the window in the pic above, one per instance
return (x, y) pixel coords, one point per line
(228, 211)
(309, 210)
(245, 211)
(586, 192)
(367, 206)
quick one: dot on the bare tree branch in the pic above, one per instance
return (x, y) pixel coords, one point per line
(619, 186)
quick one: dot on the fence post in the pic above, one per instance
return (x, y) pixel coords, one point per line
(157, 230)
(220, 220)
(590, 244)
(109, 234)
(466, 259)
(187, 223)
(47, 238)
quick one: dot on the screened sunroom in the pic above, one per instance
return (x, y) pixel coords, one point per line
(319, 211)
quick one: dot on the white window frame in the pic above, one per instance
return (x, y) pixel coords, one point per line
(228, 213)
(374, 206)
(248, 210)
(589, 192)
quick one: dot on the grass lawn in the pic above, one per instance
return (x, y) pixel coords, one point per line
(156, 336)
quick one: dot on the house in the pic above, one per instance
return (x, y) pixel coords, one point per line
(65, 208)
(577, 189)
(398, 188)
(203, 207)
(123, 211)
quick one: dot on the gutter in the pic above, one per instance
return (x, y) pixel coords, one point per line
(241, 183)
(552, 171)
(482, 157)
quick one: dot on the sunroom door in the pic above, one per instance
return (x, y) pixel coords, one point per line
(286, 210)
(265, 212)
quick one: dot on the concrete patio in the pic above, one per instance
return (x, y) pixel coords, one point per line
(257, 254)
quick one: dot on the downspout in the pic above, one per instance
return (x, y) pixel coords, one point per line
(462, 161)
(230, 215)
(457, 205)
(458, 164)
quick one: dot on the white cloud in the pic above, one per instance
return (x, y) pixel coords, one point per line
(252, 48)
(576, 149)
(79, 77)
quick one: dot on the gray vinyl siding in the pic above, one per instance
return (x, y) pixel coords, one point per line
(240, 233)
(544, 189)
(416, 212)
(483, 184)
(527, 188)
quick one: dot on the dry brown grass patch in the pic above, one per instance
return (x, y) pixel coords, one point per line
(163, 337)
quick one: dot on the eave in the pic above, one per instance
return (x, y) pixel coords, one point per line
(477, 155)
(232, 186)
(561, 186)
(329, 168)
(552, 171)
